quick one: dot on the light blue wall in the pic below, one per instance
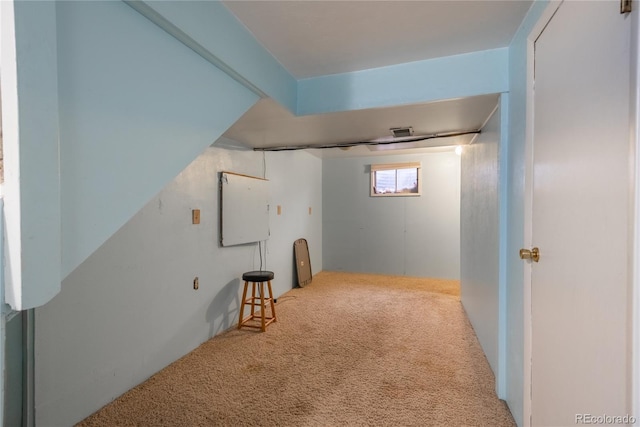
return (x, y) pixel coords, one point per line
(413, 236)
(138, 101)
(130, 308)
(479, 234)
(136, 106)
(513, 178)
(476, 73)
(213, 31)
(296, 185)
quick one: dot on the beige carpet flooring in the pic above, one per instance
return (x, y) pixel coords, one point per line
(348, 349)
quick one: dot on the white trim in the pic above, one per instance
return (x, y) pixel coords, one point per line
(31, 153)
(11, 185)
(634, 244)
(29, 367)
(393, 166)
(3, 319)
(503, 170)
(537, 29)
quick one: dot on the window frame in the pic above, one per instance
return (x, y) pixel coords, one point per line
(395, 166)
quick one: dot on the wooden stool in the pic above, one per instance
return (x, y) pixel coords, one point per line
(257, 278)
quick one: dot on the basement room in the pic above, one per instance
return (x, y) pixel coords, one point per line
(319, 213)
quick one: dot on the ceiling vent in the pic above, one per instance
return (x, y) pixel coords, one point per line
(402, 132)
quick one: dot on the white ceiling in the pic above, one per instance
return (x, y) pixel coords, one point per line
(268, 124)
(313, 38)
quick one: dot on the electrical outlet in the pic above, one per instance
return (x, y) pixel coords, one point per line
(196, 283)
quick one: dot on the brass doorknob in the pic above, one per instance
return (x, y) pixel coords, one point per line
(533, 254)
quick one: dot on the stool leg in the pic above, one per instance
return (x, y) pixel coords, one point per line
(244, 298)
(253, 299)
(273, 306)
(262, 308)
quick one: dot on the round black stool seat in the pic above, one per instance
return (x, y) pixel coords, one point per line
(258, 276)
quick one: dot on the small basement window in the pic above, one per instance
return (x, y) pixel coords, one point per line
(396, 179)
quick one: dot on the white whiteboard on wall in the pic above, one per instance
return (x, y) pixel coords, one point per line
(244, 209)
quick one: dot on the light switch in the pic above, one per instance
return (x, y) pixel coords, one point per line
(309, 210)
(279, 210)
(195, 216)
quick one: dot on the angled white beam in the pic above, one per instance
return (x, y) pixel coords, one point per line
(31, 153)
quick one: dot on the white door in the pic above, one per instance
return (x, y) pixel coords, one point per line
(580, 215)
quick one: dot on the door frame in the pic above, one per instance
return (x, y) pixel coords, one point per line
(537, 29)
(634, 217)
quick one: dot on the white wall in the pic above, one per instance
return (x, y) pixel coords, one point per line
(130, 308)
(413, 236)
(479, 235)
